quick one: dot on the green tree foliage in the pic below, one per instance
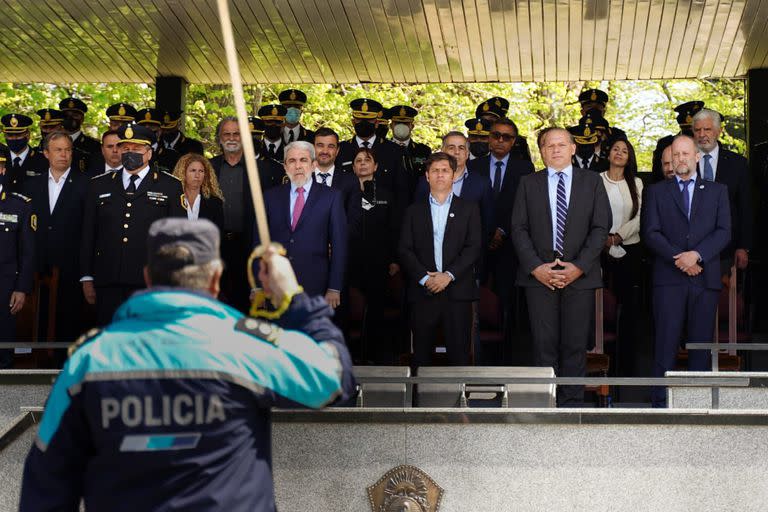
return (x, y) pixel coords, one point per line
(642, 108)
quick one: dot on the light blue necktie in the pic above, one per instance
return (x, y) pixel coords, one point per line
(709, 174)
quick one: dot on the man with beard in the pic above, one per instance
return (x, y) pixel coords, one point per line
(119, 208)
(24, 162)
(308, 219)
(686, 225)
(74, 113)
(239, 216)
(477, 131)
(326, 148)
(685, 113)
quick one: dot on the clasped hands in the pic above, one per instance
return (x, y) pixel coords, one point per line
(560, 277)
(688, 262)
(437, 281)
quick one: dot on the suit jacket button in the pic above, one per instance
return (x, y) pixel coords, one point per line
(125, 239)
(128, 205)
(125, 226)
(127, 215)
(291, 240)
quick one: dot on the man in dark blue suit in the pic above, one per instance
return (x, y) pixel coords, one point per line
(326, 143)
(309, 221)
(686, 224)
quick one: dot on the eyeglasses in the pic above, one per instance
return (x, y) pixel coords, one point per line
(506, 137)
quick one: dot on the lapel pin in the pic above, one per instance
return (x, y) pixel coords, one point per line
(450, 214)
(701, 187)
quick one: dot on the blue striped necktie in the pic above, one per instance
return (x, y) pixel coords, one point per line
(562, 213)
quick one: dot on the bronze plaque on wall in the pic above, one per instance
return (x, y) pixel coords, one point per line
(405, 489)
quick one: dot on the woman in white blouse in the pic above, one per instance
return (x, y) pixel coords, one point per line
(201, 189)
(622, 258)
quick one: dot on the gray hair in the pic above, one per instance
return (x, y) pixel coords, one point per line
(193, 277)
(56, 136)
(453, 133)
(300, 145)
(706, 113)
(221, 123)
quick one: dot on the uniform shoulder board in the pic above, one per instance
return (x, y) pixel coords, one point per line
(22, 197)
(102, 175)
(259, 328)
(171, 175)
(79, 342)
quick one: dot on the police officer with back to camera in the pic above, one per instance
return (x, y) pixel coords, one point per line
(168, 408)
(119, 208)
(24, 162)
(17, 259)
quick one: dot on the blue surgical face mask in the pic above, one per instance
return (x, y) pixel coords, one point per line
(293, 115)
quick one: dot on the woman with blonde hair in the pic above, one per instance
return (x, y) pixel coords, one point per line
(201, 189)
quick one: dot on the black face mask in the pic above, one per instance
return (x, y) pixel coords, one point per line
(365, 129)
(478, 149)
(71, 124)
(132, 160)
(382, 130)
(585, 151)
(17, 145)
(272, 131)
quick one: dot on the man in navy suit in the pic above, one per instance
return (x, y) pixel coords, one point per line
(309, 221)
(686, 224)
(326, 143)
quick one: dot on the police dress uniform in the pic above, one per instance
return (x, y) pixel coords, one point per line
(17, 260)
(163, 158)
(273, 117)
(34, 163)
(115, 225)
(414, 154)
(178, 141)
(297, 99)
(84, 143)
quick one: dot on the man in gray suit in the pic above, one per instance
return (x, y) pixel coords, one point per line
(560, 221)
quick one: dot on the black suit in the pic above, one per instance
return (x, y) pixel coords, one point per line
(349, 186)
(278, 155)
(733, 172)
(559, 318)
(58, 239)
(187, 145)
(502, 262)
(414, 157)
(88, 147)
(451, 308)
(212, 208)
(115, 226)
(34, 164)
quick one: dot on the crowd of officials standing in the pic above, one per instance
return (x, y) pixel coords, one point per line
(411, 234)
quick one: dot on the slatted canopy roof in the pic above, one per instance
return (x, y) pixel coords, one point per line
(350, 41)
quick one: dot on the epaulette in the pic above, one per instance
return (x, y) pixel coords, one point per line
(102, 175)
(79, 342)
(22, 197)
(171, 175)
(259, 328)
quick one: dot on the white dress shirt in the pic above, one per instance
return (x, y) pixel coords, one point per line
(329, 179)
(22, 156)
(54, 188)
(715, 154)
(193, 212)
(127, 177)
(370, 142)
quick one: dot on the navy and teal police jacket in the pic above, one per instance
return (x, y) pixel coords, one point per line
(167, 408)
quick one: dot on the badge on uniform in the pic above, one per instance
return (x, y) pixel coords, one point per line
(102, 196)
(184, 203)
(157, 197)
(9, 217)
(33, 222)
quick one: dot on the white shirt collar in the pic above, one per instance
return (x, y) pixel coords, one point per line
(75, 135)
(22, 155)
(108, 168)
(127, 177)
(62, 179)
(329, 171)
(174, 141)
(307, 185)
(370, 141)
(714, 153)
(403, 143)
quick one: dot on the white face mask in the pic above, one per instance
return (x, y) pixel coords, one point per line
(401, 131)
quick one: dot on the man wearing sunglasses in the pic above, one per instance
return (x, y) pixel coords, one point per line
(503, 171)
